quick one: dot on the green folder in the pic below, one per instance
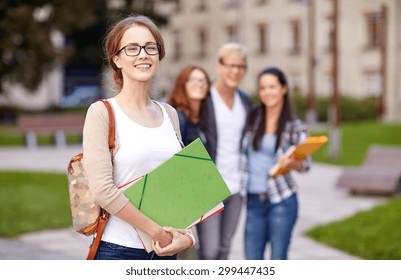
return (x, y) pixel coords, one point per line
(181, 190)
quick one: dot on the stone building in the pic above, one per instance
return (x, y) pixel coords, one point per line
(293, 34)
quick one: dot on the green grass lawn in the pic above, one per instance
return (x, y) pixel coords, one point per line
(356, 140)
(374, 234)
(10, 136)
(37, 201)
(33, 201)
(371, 235)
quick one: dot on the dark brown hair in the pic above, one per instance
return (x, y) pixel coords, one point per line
(114, 36)
(285, 115)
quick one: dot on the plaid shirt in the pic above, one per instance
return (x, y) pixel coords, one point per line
(282, 186)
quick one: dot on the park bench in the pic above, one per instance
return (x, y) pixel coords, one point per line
(379, 174)
(57, 125)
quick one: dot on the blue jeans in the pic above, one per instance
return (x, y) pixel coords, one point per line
(267, 222)
(111, 251)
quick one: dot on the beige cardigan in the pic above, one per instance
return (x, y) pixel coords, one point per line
(98, 162)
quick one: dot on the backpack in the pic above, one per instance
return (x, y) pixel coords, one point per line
(88, 217)
(86, 214)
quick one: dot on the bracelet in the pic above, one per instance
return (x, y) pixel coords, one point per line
(191, 237)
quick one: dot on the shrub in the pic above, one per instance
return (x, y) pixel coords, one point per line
(351, 108)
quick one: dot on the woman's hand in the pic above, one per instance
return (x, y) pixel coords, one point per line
(180, 242)
(288, 162)
(130, 214)
(163, 237)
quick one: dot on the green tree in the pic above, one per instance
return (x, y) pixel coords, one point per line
(85, 46)
(27, 52)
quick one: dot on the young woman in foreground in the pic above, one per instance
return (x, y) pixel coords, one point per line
(145, 138)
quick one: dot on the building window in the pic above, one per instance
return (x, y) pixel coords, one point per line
(201, 6)
(262, 38)
(231, 4)
(374, 29)
(295, 39)
(329, 80)
(261, 2)
(373, 83)
(330, 45)
(177, 51)
(177, 6)
(201, 50)
(295, 83)
(232, 33)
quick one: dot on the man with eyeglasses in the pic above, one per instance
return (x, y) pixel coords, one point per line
(223, 120)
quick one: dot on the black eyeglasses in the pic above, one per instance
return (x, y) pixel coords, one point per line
(135, 49)
(240, 67)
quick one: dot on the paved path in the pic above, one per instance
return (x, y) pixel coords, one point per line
(320, 203)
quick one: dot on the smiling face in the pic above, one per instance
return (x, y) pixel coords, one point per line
(143, 66)
(231, 69)
(197, 85)
(271, 91)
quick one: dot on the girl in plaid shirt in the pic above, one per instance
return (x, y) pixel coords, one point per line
(272, 205)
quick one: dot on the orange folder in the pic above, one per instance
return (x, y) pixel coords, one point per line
(301, 151)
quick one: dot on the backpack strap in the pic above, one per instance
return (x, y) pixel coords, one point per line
(112, 127)
(174, 118)
(104, 216)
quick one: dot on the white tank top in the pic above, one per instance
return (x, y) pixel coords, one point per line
(139, 150)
